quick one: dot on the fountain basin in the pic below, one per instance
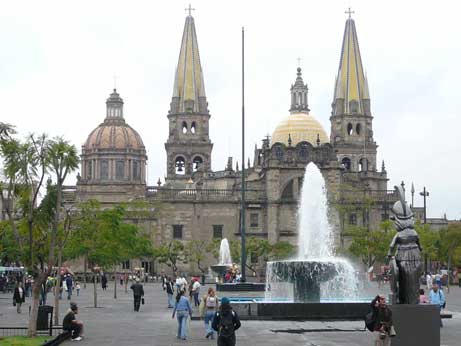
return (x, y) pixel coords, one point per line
(220, 269)
(305, 275)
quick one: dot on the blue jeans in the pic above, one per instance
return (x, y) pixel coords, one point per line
(209, 314)
(170, 300)
(182, 323)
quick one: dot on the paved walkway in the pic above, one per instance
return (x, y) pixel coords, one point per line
(115, 323)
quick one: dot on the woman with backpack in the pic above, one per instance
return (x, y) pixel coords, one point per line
(226, 322)
(208, 307)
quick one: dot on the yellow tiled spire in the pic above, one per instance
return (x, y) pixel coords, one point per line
(189, 90)
(351, 85)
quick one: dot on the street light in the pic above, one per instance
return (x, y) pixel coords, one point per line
(425, 194)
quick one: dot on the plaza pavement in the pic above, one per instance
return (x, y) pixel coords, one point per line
(115, 324)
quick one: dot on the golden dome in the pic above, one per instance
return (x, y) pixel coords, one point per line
(114, 135)
(300, 127)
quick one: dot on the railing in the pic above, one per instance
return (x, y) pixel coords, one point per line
(203, 194)
(380, 196)
(22, 331)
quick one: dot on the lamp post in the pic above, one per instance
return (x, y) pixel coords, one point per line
(242, 213)
(425, 194)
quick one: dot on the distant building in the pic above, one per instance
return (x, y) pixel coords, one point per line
(205, 204)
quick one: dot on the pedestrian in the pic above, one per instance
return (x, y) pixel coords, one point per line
(208, 307)
(77, 288)
(121, 279)
(138, 293)
(196, 291)
(28, 287)
(226, 322)
(165, 280)
(459, 278)
(422, 297)
(436, 297)
(183, 310)
(69, 285)
(428, 281)
(383, 326)
(438, 280)
(104, 282)
(62, 286)
(71, 324)
(169, 287)
(18, 296)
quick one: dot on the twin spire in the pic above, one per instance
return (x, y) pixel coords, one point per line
(189, 88)
(351, 87)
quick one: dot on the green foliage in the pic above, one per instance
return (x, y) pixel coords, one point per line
(282, 250)
(370, 246)
(195, 252)
(170, 254)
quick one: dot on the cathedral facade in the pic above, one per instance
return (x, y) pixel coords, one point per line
(200, 203)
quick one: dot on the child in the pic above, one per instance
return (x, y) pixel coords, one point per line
(422, 297)
(77, 287)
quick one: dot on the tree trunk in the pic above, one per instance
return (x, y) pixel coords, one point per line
(95, 292)
(115, 285)
(126, 281)
(57, 289)
(84, 271)
(39, 280)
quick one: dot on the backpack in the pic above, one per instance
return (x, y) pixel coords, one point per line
(226, 324)
(211, 302)
(370, 321)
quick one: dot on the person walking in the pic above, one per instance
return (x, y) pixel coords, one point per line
(195, 292)
(182, 310)
(458, 275)
(69, 285)
(208, 307)
(77, 287)
(436, 297)
(428, 281)
(19, 296)
(383, 325)
(104, 282)
(226, 322)
(138, 293)
(422, 297)
(169, 287)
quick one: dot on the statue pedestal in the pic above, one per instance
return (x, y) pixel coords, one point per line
(416, 325)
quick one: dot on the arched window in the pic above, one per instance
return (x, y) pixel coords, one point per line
(184, 127)
(179, 165)
(197, 162)
(354, 106)
(303, 153)
(350, 129)
(89, 171)
(358, 129)
(192, 128)
(363, 165)
(346, 162)
(279, 152)
(119, 169)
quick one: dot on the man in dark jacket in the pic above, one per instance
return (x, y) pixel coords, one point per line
(383, 321)
(226, 322)
(138, 293)
(18, 296)
(69, 284)
(71, 324)
(169, 286)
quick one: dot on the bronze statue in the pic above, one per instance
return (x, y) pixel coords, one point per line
(406, 266)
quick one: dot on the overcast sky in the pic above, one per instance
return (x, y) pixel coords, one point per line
(58, 59)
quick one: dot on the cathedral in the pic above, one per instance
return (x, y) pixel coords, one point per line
(200, 203)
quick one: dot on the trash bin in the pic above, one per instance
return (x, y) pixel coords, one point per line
(45, 314)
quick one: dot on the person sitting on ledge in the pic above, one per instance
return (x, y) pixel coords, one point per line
(71, 324)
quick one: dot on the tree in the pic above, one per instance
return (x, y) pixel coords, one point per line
(195, 252)
(281, 250)
(370, 246)
(171, 254)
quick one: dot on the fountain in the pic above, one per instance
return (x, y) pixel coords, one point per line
(316, 272)
(225, 259)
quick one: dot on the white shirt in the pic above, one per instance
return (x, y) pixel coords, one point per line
(196, 286)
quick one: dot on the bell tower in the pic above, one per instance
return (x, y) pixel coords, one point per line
(351, 119)
(188, 146)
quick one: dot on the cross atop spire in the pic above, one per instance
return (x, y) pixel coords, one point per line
(349, 12)
(299, 61)
(189, 9)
